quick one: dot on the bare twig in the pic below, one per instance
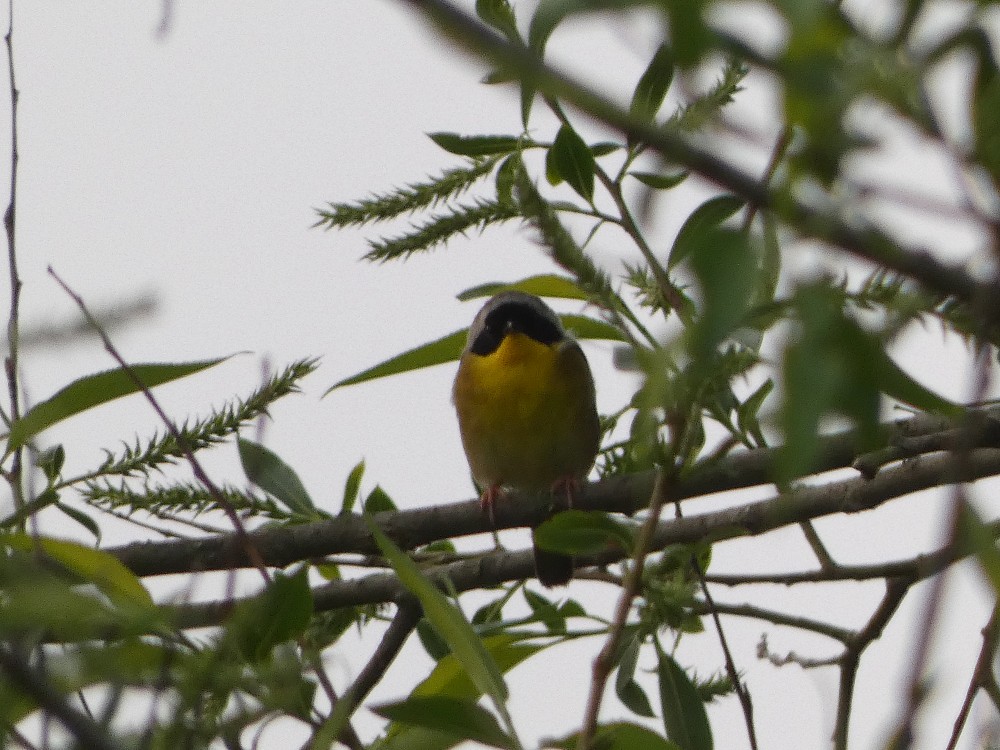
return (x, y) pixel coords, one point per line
(982, 677)
(241, 534)
(604, 662)
(11, 363)
(82, 727)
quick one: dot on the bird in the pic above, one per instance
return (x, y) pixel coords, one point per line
(527, 412)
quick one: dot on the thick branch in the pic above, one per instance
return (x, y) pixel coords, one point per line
(848, 496)
(279, 547)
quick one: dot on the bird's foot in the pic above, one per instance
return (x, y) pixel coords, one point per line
(488, 500)
(567, 487)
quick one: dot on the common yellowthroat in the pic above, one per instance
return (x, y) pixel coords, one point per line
(526, 409)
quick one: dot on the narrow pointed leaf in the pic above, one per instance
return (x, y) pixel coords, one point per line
(653, 85)
(455, 716)
(94, 390)
(475, 145)
(544, 285)
(449, 622)
(619, 736)
(93, 565)
(684, 715)
(446, 349)
(707, 216)
(265, 469)
(581, 532)
(351, 488)
(573, 161)
(660, 181)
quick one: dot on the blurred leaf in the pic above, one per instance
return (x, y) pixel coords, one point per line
(545, 611)
(351, 488)
(475, 145)
(684, 715)
(378, 501)
(619, 735)
(447, 620)
(746, 413)
(81, 518)
(51, 461)
(581, 532)
(660, 181)
(572, 160)
(505, 179)
(433, 643)
(604, 148)
(725, 267)
(95, 566)
(708, 215)
(266, 470)
(459, 717)
(976, 538)
(586, 328)
(499, 15)
(446, 349)
(448, 678)
(985, 109)
(280, 613)
(544, 285)
(834, 366)
(653, 85)
(94, 390)
(628, 690)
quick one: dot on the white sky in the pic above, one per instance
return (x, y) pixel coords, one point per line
(188, 166)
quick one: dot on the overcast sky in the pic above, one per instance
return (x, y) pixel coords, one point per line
(186, 165)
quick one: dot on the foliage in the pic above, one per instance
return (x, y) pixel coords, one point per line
(743, 363)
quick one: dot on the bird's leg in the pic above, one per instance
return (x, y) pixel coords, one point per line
(567, 486)
(488, 499)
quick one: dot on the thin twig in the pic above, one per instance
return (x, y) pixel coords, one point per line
(981, 677)
(249, 548)
(80, 726)
(11, 363)
(604, 662)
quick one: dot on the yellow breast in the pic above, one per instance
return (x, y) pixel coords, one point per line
(526, 413)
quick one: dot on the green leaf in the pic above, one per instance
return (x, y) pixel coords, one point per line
(619, 735)
(446, 349)
(433, 643)
(506, 177)
(94, 390)
(499, 15)
(475, 145)
(976, 538)
(449, 349)
(653, 85)
(834, 366)
(627, 689)
(81, 518)
(447, 620)
(583, 327)
(548, 285)
(573, 161)
(545, 611)
(725, 267)
(265, 469)
(660, 181)
(351, 488)
(51, 461)
(280, 614)
(581, 532)
(746, 413)
(684, 715)
(378, 501)
(708, 215)
(604, 148)
(96, 566)
(458, 717)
